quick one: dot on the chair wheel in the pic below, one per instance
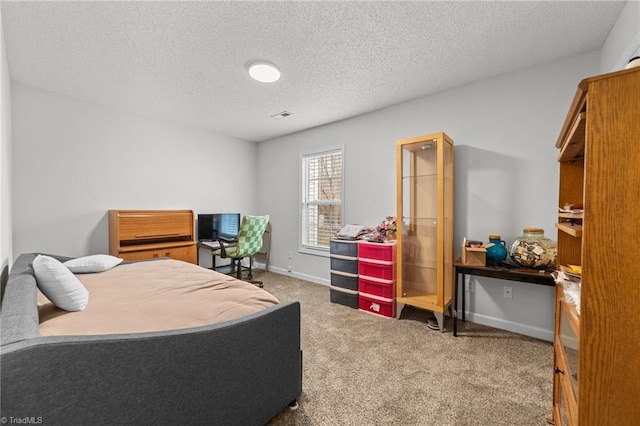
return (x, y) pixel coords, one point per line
(294, 405)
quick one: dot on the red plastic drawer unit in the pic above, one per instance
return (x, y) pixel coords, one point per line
(377, 251)
(377, 269)
(377, 305)
(377, 287)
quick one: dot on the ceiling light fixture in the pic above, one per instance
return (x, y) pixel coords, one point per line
(264, 72)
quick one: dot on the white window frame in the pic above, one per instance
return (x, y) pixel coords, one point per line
(304, 247)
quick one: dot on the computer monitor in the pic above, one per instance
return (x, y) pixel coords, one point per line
(212, 227)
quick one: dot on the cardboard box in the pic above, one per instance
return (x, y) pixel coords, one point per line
(475, 256)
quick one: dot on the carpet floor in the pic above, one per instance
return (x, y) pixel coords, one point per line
(363, 369)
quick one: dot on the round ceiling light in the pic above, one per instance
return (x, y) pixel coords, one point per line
(264, 72)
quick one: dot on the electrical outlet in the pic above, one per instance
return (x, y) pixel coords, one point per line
(290, 254)
(507, 292)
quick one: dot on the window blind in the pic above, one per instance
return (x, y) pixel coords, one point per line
(322, 193)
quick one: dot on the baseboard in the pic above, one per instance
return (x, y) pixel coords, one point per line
(527, 330)
(298, 275)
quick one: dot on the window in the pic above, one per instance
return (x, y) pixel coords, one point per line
(321, 209)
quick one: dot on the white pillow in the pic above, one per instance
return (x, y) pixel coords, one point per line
(59, 284)
(93, 263)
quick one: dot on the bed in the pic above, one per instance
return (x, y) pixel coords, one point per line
(240, 371)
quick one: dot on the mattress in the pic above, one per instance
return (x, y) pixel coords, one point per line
(156, 295)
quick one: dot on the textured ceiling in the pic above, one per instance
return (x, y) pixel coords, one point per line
(185, 61)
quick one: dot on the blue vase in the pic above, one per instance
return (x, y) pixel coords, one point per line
(497, 252)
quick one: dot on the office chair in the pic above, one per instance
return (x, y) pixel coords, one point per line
(263, 254)
(249, 243)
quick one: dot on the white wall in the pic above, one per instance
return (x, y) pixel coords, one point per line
(6, 249)
(75, 160)
(506, 173)
(623, 42)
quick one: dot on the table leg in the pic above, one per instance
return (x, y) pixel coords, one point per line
(455, 304)
(464, 296)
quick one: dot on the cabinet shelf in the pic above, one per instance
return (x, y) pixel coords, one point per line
(425, 301)
(571, 215)
(573, 229)
(420, 218)
(420, 175)
(421, 263)
(573, 145)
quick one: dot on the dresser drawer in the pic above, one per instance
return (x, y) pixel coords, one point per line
(344, 280)
(377, 305)
(344, 264)
(344, 248)
(377, 287)
(343, 296)
(186, 253)
(377, 251)
(377, 269)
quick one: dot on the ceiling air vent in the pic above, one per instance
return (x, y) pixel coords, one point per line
(282, 114)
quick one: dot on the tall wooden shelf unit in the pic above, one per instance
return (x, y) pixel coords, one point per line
(424, 275)
(597, 348)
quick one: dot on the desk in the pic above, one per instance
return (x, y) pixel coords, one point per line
(213, 246)
(532, 276)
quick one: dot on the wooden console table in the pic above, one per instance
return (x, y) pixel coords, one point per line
(533, 276)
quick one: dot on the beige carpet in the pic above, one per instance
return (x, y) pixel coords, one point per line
(361, 369)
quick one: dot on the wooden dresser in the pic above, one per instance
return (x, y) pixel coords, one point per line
(152, 234)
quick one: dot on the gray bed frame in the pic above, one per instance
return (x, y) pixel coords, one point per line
(240, 372)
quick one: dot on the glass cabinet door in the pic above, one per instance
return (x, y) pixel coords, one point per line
(568, 338)
(425, 215)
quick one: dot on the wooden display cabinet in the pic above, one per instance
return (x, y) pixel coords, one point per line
(597, 347)
(425, 223)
